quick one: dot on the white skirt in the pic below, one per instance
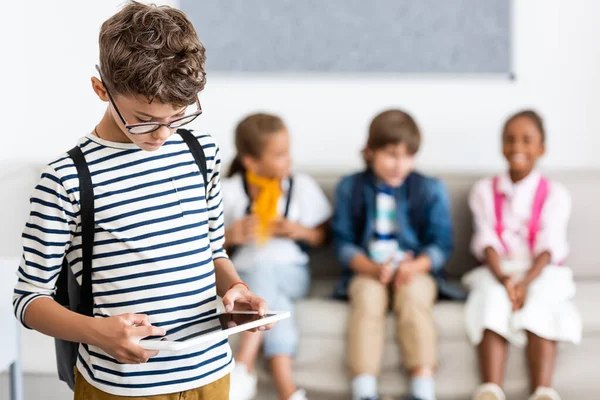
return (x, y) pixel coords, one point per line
(548, 311)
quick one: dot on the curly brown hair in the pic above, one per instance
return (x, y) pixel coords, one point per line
(154, 52)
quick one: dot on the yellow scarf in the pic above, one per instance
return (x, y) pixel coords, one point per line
(264, 206)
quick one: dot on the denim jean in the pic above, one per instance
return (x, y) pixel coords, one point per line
(280, 286)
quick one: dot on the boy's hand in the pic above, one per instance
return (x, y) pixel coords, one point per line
(241, 298)
(242, 231)
(520, 295)
(386, 272)
(282, 227)
(119, 336)
(406, 270)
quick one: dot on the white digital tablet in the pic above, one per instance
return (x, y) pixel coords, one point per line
(231, 323)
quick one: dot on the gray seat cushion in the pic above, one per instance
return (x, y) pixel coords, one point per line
(320, 316)
(320, 367)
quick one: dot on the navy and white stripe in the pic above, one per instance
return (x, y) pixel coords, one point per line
(155, 242)
(384, 243)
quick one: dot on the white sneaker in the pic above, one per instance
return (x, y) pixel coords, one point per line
(489, 391)
(243, 383)
(299, 395)
(545, 393)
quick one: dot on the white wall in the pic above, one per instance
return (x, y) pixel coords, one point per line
(49, 49)
(557, 64)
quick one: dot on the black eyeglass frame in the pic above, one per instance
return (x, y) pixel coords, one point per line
(134, 129)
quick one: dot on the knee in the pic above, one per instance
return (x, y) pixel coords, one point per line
(492, 338)
(536, 340)
(281, 340)
(420, 292)
(369, 296)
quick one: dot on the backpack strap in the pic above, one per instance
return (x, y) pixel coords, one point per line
(303, 245)
(534, 223)
(415, 185)
(88, 224)
(289, 197)
(61, 296)
(247, 191)
(198, 154)
(499, 210)
(358, 206)
(541, 195)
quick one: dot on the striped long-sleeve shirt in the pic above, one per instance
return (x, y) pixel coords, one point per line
(155, 241)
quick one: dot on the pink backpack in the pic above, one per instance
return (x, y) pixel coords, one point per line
(534, 223)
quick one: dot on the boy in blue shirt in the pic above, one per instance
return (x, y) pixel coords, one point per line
(393, 234)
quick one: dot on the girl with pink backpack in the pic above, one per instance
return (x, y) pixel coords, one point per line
(522, 295)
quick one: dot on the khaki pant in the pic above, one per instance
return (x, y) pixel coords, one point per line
(415, 328)
(218, 390)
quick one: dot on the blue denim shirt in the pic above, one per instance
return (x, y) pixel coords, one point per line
(433, 239)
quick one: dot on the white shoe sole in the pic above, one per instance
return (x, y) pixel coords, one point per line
(486, 396)
(545, 394)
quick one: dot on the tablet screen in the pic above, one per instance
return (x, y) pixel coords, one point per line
(235, 319)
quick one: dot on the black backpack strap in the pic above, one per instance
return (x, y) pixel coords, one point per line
(198, 153)
(247, 191)
(86, 206)
(359, 213)
(303, 245)
(62, 284)
(415, 185)
(289, 197)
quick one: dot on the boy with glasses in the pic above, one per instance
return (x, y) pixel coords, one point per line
(158, 262)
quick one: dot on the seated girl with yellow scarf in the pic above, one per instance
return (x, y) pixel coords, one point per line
(271, 217)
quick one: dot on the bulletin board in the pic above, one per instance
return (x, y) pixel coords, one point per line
(355, 36)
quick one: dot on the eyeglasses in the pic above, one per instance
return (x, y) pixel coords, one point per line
(147, 127)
